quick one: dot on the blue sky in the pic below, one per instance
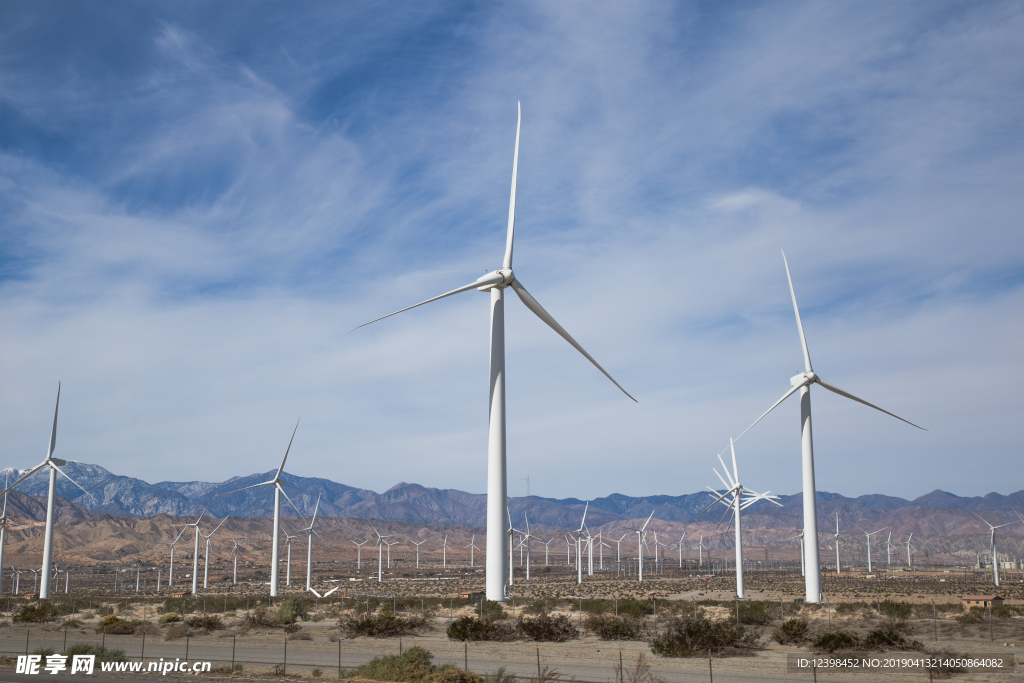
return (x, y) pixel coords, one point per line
(198, 200)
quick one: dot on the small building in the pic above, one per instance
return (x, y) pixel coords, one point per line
(475, 596)
(181, 594)
(981, 601)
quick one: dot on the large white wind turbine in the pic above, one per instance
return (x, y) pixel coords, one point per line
(802, 383)
(869, 535)
(234, 552)
(497, 490)
(418, 544)
(359, 555)
(835, 538)
(991, 547)
(170, 574)
(276, 482)
(54, 464)
(737, 498)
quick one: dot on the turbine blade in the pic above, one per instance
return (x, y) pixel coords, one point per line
(484, 281)
(539, 311)
(331, 591)
(315, 511)
(294, 507)
(246, 488)
(774, 405)
(53, 434)
(799, 325)
(726, 485)
(836, 390)
(313, 591)
(287, 450)
(717, 500)
(73, 481)
(735, 472)
(647, 522)
(507, 263)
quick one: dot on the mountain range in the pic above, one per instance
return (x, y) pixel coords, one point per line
(414, 504)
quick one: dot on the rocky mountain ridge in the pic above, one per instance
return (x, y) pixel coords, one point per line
(415, 504)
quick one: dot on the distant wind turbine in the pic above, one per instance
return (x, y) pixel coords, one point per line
(802, 383)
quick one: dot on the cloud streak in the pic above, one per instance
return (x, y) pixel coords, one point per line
(197, 204)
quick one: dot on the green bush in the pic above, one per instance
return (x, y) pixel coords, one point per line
(114, 624)
(607, 627)
(169, 618)
(890, 637)
(382, 625)
(974, 615)
(44, 652)
(471, 628)
(755, 612)
(493, 610)
(414, 666)
(535, 607)
(895, 610)
(291, 609)
(837, 640)
(699, 636)
(102, 654)
(635, 608)
(593, 606)
(548, 628)
(791, 632)
(316, 673)
(205, 622)
(39, 612)
(850, 607)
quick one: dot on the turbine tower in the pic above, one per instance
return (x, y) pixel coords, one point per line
(3, 537)
(309, 547)
(641, 534)
(869, 535)
(992, 547)
(736, 498)
(802, 383)
(835, 537)
(497, 487)
(276, 482)
(54, 464)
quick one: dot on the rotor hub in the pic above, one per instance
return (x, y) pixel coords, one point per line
(804, 379)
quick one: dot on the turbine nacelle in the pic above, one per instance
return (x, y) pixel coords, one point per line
(500, 278)
(804, 379)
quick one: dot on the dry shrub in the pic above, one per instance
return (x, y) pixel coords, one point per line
(169, 618)
(791, 632)
(301, 635)
(333, 637)
(292, 628)
(147, 629)
(617, 628)
(177, 631)
(699, 636)
(471, 628)
(259, 618)
(414, 666)
(381, 625)
(205, 622)
(548, 628)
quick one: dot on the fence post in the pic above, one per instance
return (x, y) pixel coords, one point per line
(339, 659)
(27, 630)
(935, 620)
(284, 670)
(990, 635)
(538, 663)
(187, 636)
(711, 672)
(142, 657)
(233, 652)
(66, 639)
(465, 665)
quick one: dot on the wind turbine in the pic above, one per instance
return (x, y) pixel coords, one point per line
(800, 537)
(170, 575)
(359, 554)
(547, 545)
(418, 551)
(234, 552)
(803, 382)
(869, 543)
(618, 550)
(700, 551)
(276, 482)
(3, 537)
(835, 537)
(526, 539)
(601, 545)
(909, 563)
(288, 544)
(992, 547)
(736, 498)
(497, 489)
(888, 550)
(389, 551)
(641, 533)
(309, 547)
(681, 550)
(579, 539)
(472, 546)
(380, 554)
(54, 464)
(206, 557)
(444, 553)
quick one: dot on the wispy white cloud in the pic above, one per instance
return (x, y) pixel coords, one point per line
(188, 254)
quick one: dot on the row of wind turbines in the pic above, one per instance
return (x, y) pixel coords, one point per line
(498, 563)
